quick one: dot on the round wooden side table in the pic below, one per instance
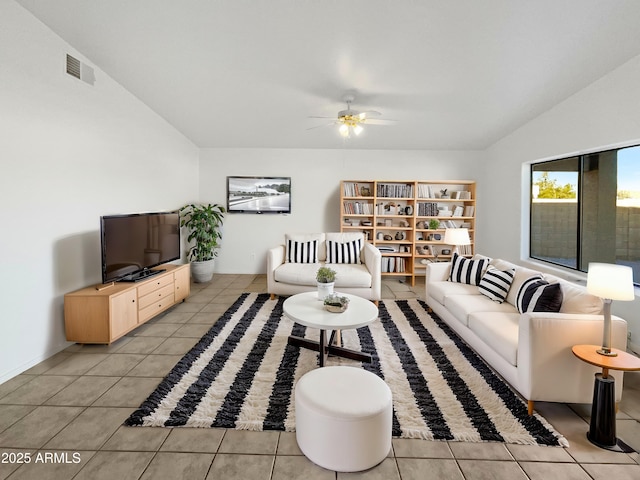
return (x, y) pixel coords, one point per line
(602, 427)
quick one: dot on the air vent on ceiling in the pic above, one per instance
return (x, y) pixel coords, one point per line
(81, 71)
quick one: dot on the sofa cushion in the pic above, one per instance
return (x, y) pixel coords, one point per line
(440, 290)
(538, 295)
(522, 274)
(495, 283)
(305, 274)
(305, 247)
(465, 270)
(499, 330)
(461, 306)
(344, 252)
(575, 298)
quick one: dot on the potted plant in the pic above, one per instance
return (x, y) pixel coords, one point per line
(325, 277)
(203, 223)
(434, 224)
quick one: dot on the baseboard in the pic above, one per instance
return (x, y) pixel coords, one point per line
(4, 376)
(634, 347)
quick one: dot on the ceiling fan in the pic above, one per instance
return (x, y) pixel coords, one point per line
(351, 121)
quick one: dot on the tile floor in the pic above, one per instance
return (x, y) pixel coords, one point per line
(65, 416)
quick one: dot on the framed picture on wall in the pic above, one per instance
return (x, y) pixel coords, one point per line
(256, 195)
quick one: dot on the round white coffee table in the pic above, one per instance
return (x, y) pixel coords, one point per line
(307, 310)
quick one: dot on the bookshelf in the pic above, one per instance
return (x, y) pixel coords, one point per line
(395, 216)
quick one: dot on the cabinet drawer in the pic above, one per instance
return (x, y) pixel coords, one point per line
(155, 296)
(162, 280)
(156, 307)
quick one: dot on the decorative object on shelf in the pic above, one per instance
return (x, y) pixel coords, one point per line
(365, 223)
(388, 238)
(434, 224)
(401, 236)
(326, 278)
(335, 303)
(390, 208)
(609, 282)
(204, 223)
(365, 192)
(456, 237)
(446, 251)
(403, 223)
(380, 236)
(347, 222)
(443, 193)
(408, 210)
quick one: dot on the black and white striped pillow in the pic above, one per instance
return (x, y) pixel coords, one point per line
(464, 270)
(538, 295)
(348, 252)
(302, 252)
(495, 283)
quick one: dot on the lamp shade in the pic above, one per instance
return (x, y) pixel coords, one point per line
(457, 236)
(607, 280)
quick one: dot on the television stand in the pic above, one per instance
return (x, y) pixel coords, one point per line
(143, 275)
(103, 315)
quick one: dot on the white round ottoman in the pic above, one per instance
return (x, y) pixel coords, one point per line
(343, 418)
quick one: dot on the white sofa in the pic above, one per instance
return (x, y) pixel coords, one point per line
(288, 278)
(531, 351)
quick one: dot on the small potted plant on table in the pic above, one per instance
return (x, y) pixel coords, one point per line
(326, 278)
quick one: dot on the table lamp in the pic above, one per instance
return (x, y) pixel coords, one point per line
(456, 237)
(609, 282)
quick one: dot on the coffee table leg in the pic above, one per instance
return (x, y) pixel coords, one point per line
(322, 354)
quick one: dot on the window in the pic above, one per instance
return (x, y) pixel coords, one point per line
(587, 209)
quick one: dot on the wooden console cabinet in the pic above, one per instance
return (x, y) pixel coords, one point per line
(93, 315)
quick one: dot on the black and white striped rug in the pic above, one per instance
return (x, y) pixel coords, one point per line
(241, 375)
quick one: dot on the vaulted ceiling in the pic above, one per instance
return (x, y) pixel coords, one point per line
(456, 74)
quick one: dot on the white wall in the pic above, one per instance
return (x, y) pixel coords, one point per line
(70, 152)
(605, 114)
(315, 181)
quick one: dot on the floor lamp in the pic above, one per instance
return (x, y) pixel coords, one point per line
(456, 237)
(609, 282)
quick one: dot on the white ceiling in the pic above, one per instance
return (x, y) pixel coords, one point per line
(455, 74)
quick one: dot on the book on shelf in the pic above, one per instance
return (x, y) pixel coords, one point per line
(393, 265)
(461, 195)
(425, 191)
(457, 211)
(444, 213)
(358, 208)
(469, 210)
(395, 190)
(427, 209)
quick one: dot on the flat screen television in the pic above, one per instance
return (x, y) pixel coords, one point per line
(133, 244)
(259, 194)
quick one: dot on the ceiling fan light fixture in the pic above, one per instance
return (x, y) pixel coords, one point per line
(357, 129)
(344, 130)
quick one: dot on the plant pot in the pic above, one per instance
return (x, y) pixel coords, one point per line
(325, 289)
(202, 272)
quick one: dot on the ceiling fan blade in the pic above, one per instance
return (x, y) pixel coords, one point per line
(323, 125)
(379, 121)
(369, 113)
(316, 116)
